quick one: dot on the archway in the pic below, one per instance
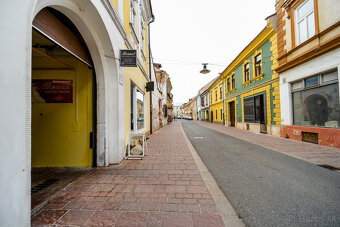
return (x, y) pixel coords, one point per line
(75, 119)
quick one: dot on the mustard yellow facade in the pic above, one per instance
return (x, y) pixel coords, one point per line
(216, 101)
(135, 78)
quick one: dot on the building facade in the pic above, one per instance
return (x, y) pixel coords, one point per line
(309, 63)
(67, 83)
(205, 101)
(252, 99)
(216, 101)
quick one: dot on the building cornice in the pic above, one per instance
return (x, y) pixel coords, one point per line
(259, 40)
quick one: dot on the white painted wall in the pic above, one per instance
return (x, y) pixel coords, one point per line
(15, 113)
(321, 64)
(104, 39)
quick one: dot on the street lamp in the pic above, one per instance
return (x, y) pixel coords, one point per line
(205, 70)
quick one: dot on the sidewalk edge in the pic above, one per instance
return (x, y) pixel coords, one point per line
(226, 210)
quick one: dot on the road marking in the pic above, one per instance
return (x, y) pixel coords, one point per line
(198, 137)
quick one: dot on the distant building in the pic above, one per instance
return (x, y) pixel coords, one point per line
(216, 101)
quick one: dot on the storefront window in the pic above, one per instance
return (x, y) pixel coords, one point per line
(137, 108)
(318, 106)
(140, 109)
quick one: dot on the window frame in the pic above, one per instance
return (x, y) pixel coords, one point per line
(216, 116)
(221, 114)
(321, 83)
(292, 15)
(256, 54)
(246, 82)
(134, 128)
(304, 18)
(233, 82)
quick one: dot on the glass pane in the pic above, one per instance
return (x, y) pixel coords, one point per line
(140, 110)
(305, 8)
(311, 25)
(317, 107)
(302, 31)
(258, 58)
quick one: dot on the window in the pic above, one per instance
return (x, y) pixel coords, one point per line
(137, 109)
(220, 92)
(254, 109)
(133, 14)
(246, 72)
(233, 81)
(216, 117)
(228, 84)
(221, 114)
(304, 22)
(133, 20)
(258, 65)
(142, 47)
(215, 94)
(316, 101)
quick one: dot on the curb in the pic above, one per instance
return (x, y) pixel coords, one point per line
(226, 210)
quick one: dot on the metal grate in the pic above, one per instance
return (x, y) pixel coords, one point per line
(43, 185)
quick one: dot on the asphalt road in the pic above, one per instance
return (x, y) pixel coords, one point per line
(265, 187)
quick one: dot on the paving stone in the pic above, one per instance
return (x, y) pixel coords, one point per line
(155, 219)
(132, 219)
(177, 219)
(75, 217)
(163, 189)
(175, 189)
(207, 220)
(103, 218)
(47, 217)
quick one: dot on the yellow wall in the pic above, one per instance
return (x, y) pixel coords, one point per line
(126, 9)
(58, 138)
(115, 3)
(135, 75)
(216, 104)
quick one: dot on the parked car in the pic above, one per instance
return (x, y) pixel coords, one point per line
(189, 118)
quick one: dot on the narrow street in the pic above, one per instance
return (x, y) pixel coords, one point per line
(265, 187)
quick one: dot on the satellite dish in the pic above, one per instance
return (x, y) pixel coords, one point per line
(205, 70)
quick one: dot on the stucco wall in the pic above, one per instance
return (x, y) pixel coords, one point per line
(323, 63)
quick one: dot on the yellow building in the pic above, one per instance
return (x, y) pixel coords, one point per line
(252, 96)
(137, 99)
(216, 101)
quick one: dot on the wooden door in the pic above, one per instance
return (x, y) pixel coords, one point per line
(232, 113)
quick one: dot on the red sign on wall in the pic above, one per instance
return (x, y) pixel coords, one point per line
(52, 91)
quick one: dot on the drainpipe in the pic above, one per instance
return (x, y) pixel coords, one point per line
(149, 50)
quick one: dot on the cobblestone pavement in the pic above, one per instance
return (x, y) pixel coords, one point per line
(313, 153)
(163, 189)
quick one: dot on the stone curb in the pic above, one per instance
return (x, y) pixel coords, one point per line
(227, 212)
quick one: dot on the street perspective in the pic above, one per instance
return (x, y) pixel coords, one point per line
(147, 113)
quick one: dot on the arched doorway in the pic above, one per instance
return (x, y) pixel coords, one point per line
(62, 94)
(63, 126)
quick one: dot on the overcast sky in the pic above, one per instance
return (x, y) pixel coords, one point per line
(187, 33)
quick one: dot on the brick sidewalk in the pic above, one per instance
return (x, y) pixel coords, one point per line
(164, 189)
(313, 153)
